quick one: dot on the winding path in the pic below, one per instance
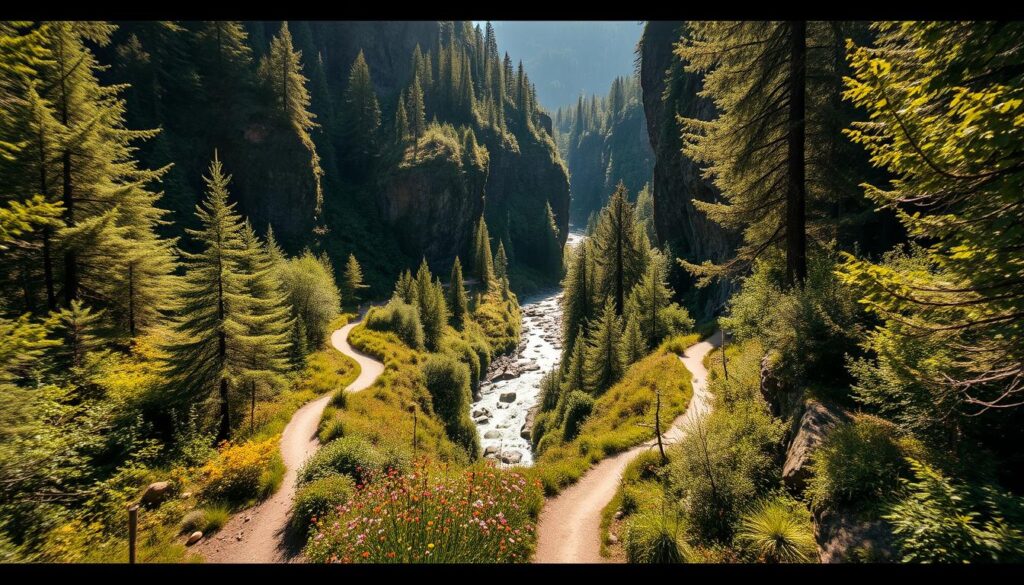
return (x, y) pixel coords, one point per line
(257, 535)
(569, 530)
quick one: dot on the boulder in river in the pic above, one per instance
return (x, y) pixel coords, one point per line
(507, 397)
(491, 451)
(492, 435)
(527, 429)
(511, 457)
(481, 412)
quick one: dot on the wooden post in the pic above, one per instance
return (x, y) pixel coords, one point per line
(133, 526)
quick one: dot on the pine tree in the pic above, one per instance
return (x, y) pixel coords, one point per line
(483, 262)
(575, 375)
(360, 117)
(264, 344)
(633, 345)
(944, 100)
(604, 350)
(500, 261)
(401, 121)
(457, 302)
(352, 281)
(281, 71)
(578, 306)
(552, 243)
(210, 325)
(618, 251)
(417, 114)
(81, 332)
(647, 300)
(405, 288)
(431, 304)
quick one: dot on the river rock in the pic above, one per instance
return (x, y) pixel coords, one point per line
(505, 374)
(511, 457)
(156, 493)
(507, 397)
(491, 451)
(492, 435)
(481, 412)
(483, 421)
(526, 430)
(193, 538)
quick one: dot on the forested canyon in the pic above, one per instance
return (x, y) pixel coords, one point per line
(347, 292)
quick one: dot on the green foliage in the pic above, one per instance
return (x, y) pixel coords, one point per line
(457, 302)
(941, 520)
(483, 261)
(447, 380)
(429, 300)
(399, 318)
(653, 539)
(243, 473)
(579, 306)
(620, 250)
(778, 529)
(360, 117)
(309, 283)
(318, 499)
(604, 350)
(352, 456)
(578, 406)
(206, 520)
(858, 463)
(729, 457)
(352, 283)
(650, 303)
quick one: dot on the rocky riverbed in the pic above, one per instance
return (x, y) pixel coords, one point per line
(508, 399)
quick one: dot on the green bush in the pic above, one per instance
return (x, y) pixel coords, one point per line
(330, 430)
(859, 462)
(447, 380)
(242, 473)
(318, 498)
(676, 320)
(944, 521)
(351, 456)
(339, 399)
(578, 407)
(651, 539)
(463, 352)
(778, 529)
(399, 318)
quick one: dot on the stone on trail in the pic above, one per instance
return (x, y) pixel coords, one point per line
(193, 538)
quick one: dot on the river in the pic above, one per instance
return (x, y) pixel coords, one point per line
(499, 423)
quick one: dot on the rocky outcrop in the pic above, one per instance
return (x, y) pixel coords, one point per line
(814, 424)
(845, 537)
(668, 90)
(156, 493)
(432, 204)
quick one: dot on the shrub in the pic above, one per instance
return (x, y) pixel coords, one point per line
(461, 351)
(243, 472)
(432, 515)
(351, 456)
(778, 529)
(858, 462)
(944, 521)
(339, 399)
(447, 381)
(330, 430)
(676, 320)
(317, 499)
(652, 539)
(578, 407)
(399, 318)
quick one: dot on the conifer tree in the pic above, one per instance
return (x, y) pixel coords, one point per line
(578, 305)
(264, 344)
(552, 243)
(457, 302)
(405, 288)
(604, 349)
(417, 114)
(206, 357)
(401, 121)
(281, 71)
(633, 345)
(81, 332)
(312, 294)
(647, 300)
(575, 376)
(352, 283)
(618, 251)
(500, 261)
(431, 304)
(360, 119)
(483, 261)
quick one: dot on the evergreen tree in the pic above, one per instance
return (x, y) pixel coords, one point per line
(281, 71)
(81, 332)
(352, 281)
(483, 262)
(575, 376)
(618, 251)
(604, 350)
(417, 114)
(264, 344)
(313, 295)
(405, 288)
(211, 315)
(578, 305)
(552, 243)
(457, 302)
(633, 345)
(500, 261)
(645, 213)
(360, 117)
(944, 104)
(431, 304)
(648, 299)
(401, 121)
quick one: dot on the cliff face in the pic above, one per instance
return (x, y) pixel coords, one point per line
(668, 91)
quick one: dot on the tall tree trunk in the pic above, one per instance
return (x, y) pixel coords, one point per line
(70, 258)
(796, 232)
(51, 295)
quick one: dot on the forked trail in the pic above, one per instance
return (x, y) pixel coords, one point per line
(569, 530)
(257, 535)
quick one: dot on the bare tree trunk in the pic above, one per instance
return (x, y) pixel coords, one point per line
(796, 228)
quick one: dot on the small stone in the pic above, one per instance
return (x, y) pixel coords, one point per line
(507, 397)
(492, 435)
(511, 457)
(612, 539)
(491, 451)
(193, 538)
(482, 421)
(618, 514)
(186, 495)
(156, 493)
(247, 518)
(239, 537)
